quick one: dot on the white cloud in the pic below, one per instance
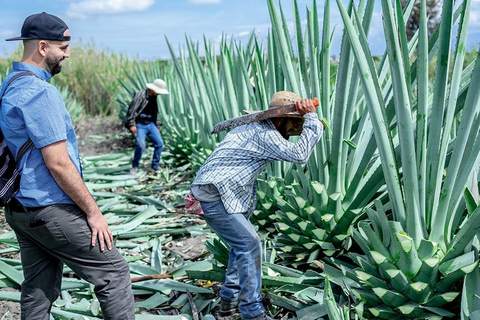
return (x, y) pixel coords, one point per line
(243, 34)
(474, 19)
(475, 14)
(6, 33)
(205, 1)
(83, 9)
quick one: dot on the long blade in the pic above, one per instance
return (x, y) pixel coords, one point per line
(142, 145)
(252, 117)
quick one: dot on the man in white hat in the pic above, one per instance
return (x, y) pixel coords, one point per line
(141, 120)
(225, 187)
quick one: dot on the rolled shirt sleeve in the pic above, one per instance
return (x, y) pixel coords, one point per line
(279, 148)
(244, 153)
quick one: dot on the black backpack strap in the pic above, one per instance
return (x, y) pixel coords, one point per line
(29, 144)
(26, 146)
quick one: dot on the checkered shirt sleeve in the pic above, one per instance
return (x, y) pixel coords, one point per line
(245, 152)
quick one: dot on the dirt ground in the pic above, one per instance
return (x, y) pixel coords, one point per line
(95, 136)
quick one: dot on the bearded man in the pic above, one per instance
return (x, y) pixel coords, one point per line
(55, 218)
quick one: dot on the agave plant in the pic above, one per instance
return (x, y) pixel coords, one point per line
(342, 176)
(470, 308)
(203, 91)
(176, 131)
(315, 206)
(344, 173)
(74, 106)
(334, 311)
(417, 249)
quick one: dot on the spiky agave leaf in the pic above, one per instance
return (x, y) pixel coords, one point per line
(413, 291)
(424, 254)
(314, 209)
(305, 230)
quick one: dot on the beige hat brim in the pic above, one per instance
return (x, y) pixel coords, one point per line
(156, 89)
(286, 115)
(298, 118)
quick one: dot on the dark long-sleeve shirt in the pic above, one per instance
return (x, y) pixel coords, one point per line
(138, 103)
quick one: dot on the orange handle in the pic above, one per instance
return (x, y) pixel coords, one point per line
(315, 103)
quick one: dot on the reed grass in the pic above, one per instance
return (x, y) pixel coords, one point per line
(92, 75)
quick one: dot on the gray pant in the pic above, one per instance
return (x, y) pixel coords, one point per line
(60, 234)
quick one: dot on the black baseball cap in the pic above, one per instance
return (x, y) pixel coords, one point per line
(43, 26)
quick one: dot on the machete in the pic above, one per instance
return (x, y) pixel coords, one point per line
(272, 112)
(142, 145)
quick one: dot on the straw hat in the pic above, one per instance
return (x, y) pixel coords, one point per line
(280, 99)
(158, 86)
(284, 98)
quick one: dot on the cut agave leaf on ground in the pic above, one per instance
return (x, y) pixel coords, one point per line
(153, 301)
(11, 273)
(166, 286)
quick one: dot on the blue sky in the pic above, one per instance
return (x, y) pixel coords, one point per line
(138, 27)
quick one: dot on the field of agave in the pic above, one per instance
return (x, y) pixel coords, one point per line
(381, 223)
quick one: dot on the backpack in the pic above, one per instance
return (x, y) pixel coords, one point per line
(9, 175)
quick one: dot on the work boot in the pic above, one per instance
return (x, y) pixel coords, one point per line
(228, 308)
(133, 171)
(262, 316)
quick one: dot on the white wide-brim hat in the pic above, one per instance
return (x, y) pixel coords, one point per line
(158, 86)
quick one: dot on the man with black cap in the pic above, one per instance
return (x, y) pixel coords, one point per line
(141, 120)
(55, 218)
(224, 193)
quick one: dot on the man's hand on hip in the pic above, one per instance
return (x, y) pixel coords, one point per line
(100, 231)
(133, 129)
(70, 181)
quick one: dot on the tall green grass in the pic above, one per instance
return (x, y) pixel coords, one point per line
(96, 85)
(92, 75)
(72, 104)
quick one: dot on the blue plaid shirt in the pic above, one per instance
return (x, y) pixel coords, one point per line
(245, 152)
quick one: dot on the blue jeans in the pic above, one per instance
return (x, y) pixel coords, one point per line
(243, 279)
(153, 133)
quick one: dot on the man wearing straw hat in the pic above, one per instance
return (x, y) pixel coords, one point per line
(54, 216)
(224, 193)
(141, 120)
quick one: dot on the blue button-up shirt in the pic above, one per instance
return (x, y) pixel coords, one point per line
(245, 152)
(33, 108)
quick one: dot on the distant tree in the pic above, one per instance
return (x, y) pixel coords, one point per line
(434, 10)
